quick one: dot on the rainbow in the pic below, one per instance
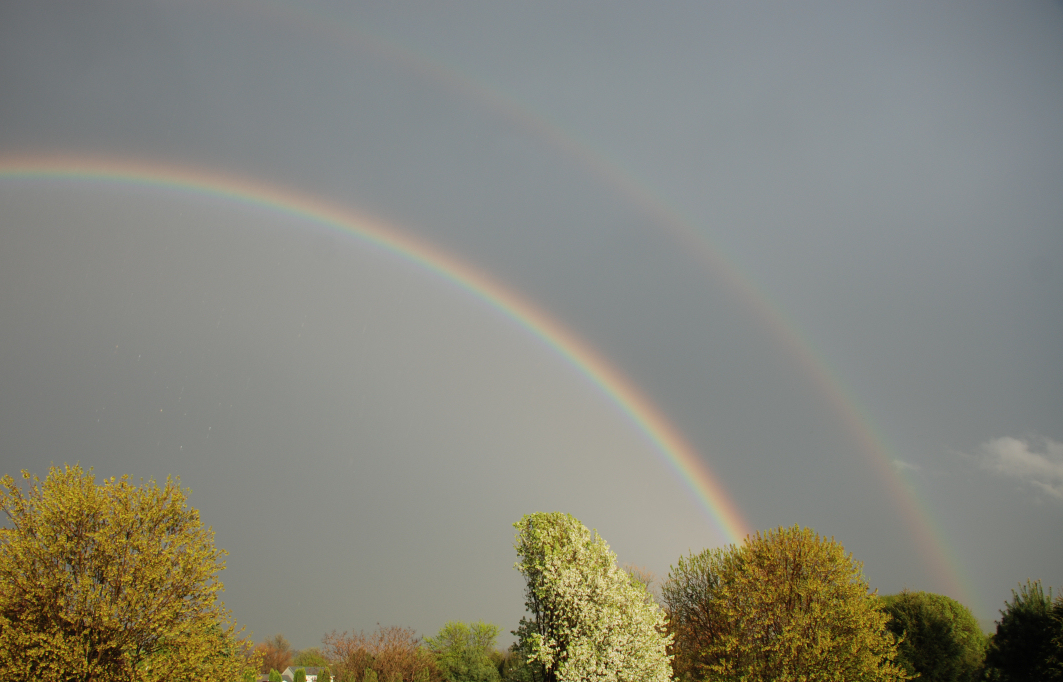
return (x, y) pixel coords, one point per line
(931, 543)
(666, 440)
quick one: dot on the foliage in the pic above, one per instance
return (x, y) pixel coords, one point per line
(390, 651)
(785, 605)
(514, 666)
(1054, 663)
(463, 651)
(110, 581)
(370, 675)
(1027, 642)
(275, 676)
(696, 616)
(300, 675)
(276, 652)
(590, 619)
(939, 639)
(310, 658)
(647, 579)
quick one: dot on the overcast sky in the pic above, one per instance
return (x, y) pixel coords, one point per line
(824, 240)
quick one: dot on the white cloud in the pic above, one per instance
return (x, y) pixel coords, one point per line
(1038, 462)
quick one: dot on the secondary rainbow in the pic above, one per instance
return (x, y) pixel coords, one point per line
(667, 441)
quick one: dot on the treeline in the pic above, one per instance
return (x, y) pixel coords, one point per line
(784, 605)
(118, 581)
(395, 654)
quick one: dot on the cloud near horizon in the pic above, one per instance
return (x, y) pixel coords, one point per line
(1041, 466)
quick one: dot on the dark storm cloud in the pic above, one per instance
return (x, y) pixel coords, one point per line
(887, 176)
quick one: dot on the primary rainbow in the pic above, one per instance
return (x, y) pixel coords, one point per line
(666, 439)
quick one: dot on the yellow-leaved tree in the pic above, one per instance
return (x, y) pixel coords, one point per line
(786, 605)
(111, 581)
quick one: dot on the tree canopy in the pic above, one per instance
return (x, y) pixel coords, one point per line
(590, 620)
(1028, 642)
(463, 651)
(940, 640)
(110, 581)
(785, 605)
(310, 658)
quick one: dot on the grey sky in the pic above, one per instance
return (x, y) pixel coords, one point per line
(887, 175)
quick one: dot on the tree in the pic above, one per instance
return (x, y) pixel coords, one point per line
(1054, 665)
(310, 658)
(513, 666)
(463, 651)
(388, 652)
(940, 640)
(1026, 645)
(647, 578)
(696, 616)
(276, 652)
(300, 675)
(275, 676)
(110, 581)
(785, 605)
(590, 619)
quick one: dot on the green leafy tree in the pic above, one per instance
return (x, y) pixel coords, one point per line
(940, 640)
(111, 581)
(463, 651)
(370, 675)
(310, 658)
(300, 675)
(324, 675)
(590, 620)
(1026, 645)
(1054, 666)
(275, 676)
(785, 605)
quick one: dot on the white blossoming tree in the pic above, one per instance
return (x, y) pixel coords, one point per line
(590, 620)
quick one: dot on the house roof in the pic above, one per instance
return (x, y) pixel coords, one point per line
(289, 672)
